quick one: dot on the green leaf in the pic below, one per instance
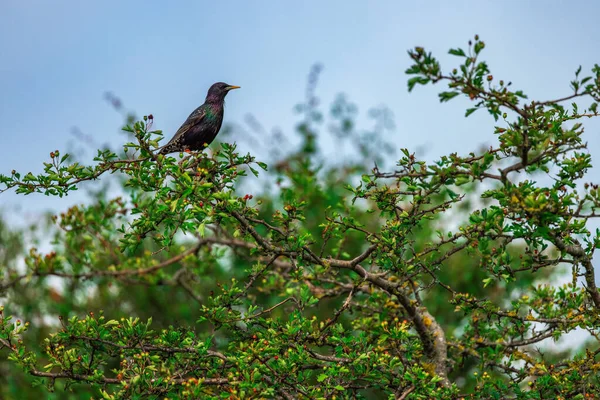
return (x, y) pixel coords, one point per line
(457, 52)
(470, 111)
(452, 194)
(478, 47)
(447, 96)
(417, 80)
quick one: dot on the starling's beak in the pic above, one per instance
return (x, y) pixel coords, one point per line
(232, 87)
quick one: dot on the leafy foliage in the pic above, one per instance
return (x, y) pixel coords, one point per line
(428, 280)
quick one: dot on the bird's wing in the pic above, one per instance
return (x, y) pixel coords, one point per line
(194, 118)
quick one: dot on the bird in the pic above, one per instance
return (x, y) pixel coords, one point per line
(203, 124)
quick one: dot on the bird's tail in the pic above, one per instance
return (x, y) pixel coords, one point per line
(166, 149)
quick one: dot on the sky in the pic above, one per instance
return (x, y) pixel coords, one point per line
(59, 58)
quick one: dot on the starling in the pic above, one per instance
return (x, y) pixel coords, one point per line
(203, 124)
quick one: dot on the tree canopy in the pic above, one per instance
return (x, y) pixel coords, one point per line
(218, 275)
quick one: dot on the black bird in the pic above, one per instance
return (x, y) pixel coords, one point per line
(203, 124)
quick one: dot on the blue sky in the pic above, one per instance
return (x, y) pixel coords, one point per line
(58, 58)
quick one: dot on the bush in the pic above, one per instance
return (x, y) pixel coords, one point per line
(425, 280)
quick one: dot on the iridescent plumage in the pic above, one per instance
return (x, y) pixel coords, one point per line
(203, 124)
